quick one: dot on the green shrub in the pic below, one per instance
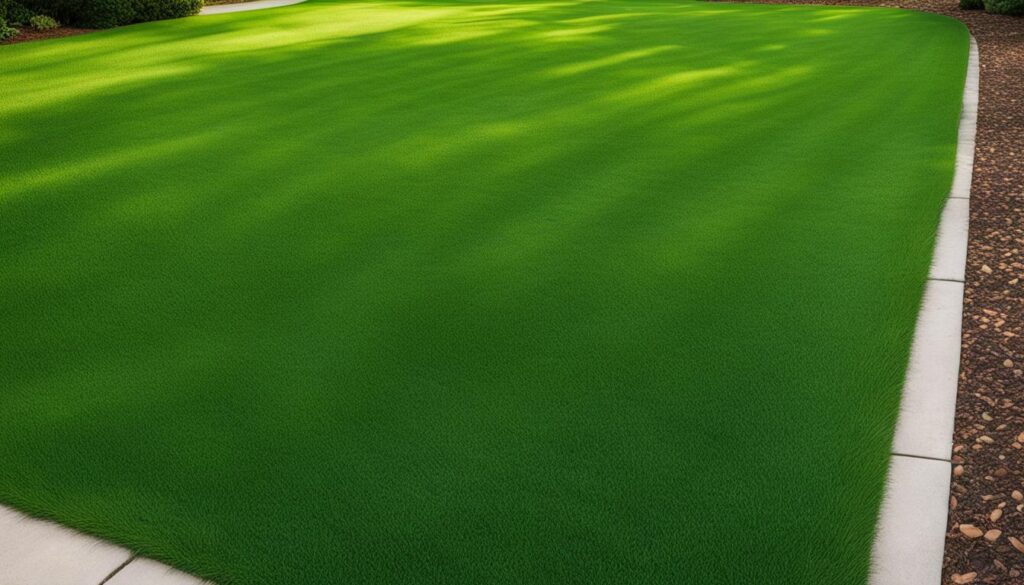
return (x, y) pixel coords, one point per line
(6, 32)
(87, 13)
(43, 22)
(15, 12)
(147, 10)
(1011, 7)
(971, 4)
(109, 13)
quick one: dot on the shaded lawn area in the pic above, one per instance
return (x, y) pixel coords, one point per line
(452, 292)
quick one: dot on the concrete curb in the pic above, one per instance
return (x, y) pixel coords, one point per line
(246, 6)
(37, 552)
(911, 532)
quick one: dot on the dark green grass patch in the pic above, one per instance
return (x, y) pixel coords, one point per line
(442, 292)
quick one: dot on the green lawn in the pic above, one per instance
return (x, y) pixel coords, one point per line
(431, 291)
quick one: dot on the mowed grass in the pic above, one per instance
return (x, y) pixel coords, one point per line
(451, 292)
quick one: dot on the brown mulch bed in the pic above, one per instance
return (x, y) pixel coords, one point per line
(30, 34)
(988, 482)
(988, 452)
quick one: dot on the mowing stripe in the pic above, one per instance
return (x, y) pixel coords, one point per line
(905, 470)
(911, 531)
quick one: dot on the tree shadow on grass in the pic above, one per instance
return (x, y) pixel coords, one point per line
(567, 238)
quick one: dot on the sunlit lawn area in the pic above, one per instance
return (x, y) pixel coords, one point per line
(607, 291)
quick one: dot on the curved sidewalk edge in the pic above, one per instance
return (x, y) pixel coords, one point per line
(37, 552)
(246, 6)
(911, 532)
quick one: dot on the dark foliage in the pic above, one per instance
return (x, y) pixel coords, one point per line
(6, 32)
(14, 12)
(1012, 7)
(109, 13)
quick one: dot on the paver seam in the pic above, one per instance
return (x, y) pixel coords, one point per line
(118, 569)
(925, 457)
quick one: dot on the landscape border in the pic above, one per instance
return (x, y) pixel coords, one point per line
(910, 535)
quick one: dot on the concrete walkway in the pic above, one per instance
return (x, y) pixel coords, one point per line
(911, 533)
(36, 552)
(246, 6)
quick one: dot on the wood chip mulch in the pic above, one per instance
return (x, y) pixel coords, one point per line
(985, 531)
(29, 34)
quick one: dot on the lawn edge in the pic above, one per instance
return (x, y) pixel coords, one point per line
(36, 551)
(910, 534)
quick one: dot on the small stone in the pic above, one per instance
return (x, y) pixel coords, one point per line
(993, 535)
(1017, 495)
(958, 470)
(1007, 363)
(995, 514)
(952, 502)
(986, 439)
(1020, 438)
(971, 531)
(1016, 544)
(965, 578)
(985, 268)
(986, 416)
